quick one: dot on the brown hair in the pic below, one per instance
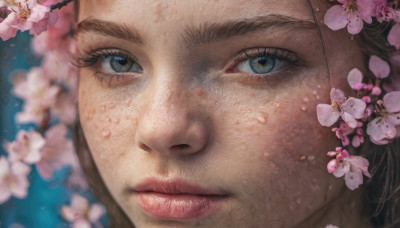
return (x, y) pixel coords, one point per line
(382, 190)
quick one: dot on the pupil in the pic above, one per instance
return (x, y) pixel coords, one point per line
(262, 65)
(262, 61)
(120, 64)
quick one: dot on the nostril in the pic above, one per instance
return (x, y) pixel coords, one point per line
(144, 147)
(179, 147)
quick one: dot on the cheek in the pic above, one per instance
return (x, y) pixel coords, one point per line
(109, 126)
(281, 149)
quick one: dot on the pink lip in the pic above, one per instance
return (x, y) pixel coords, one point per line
(177, 199)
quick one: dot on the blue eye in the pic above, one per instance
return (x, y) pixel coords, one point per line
(260, 64)
(120, 64)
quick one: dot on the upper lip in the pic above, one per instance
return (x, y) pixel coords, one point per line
(175, 187)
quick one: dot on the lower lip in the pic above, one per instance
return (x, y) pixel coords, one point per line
(178, 206)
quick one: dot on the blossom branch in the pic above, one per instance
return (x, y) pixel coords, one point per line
(60, 5)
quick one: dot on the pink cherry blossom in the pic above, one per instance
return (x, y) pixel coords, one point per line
(379, 67)
(26, 15)
(350, 166)
(383, 128)
(58, 37)
(349, 109)
(342, 133)
(394, 36)
(36, 88)
(55, 153)
(39, 94)
(13, 179)
(6, 32)
(384, 11)
(80, 214)
(351, 14)
(26, 147)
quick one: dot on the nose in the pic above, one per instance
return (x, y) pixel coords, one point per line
(170, 122)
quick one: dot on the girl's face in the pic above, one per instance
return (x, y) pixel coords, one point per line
(202, 113)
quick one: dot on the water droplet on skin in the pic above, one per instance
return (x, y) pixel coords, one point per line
(298, 201)
(106, 133)
(311, 157)
(103, 108)
(306, 99)
(277, 105)
(302, 158)
(314, 92)
(169, 94)
(261, 119)
(316, 9)
(116, 121)
(330, 187)
(303, 108)
(319, 86)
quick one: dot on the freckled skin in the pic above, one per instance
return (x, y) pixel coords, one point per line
(248, 138)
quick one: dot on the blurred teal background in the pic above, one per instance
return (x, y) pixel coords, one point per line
(40, 209)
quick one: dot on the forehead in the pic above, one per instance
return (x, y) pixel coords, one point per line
(180, 12)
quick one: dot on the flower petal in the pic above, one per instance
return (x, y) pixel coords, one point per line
(336, 94)
(379, 142)
(81, 223)
(327, 116)
(79, 203)
(394, 119)
(335, 18)
(392, 101)
(95, 212)
(342, 168)
(354, 77)
(379, 129)
(353, 179)
(394, 36)
(70, 214)
(349, 119)
(355, 24)
(356, 141)
(355, 107)
(379, 67)
(332, 165)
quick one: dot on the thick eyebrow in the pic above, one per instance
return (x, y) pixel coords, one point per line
(208, 33)
(108, 28)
